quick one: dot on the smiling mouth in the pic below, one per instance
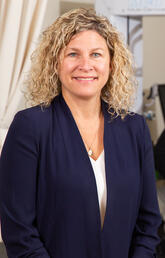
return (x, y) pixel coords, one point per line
(85, 78)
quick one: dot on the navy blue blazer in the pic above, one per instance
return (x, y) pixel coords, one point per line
(48, 196)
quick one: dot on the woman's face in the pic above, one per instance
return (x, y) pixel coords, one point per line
(84, 65)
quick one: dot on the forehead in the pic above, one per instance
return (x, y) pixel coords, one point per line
(87, 39)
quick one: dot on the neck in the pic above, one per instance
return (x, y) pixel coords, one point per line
(90, 122)
(82, 108)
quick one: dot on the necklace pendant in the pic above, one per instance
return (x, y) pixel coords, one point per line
(90, 152)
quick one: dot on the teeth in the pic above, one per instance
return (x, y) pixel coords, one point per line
(85, 79)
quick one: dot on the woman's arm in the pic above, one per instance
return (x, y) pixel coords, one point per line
(18, 175)
(145, 236)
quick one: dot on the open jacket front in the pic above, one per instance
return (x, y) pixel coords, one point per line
(48, 196)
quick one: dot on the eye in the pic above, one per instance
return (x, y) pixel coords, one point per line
(96, 54)
(72, 54)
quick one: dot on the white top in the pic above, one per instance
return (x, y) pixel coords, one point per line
(99, 171)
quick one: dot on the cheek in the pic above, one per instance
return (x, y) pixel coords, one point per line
(68, 66)
(64, 70)
(104, 64)
(105, 68)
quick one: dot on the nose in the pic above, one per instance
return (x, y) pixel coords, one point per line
(85, 64)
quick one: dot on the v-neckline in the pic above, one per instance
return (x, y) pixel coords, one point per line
(105, 115)
(99, 157)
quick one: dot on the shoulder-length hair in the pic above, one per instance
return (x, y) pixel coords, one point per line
(43, 80)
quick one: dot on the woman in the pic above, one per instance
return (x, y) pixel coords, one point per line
(77, 176)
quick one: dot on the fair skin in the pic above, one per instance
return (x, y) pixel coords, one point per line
(83, 71)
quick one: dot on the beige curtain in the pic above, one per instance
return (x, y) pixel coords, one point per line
(21, 21)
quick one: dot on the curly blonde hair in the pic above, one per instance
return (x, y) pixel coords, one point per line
(43, 81)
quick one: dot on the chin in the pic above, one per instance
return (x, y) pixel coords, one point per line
(87, 95)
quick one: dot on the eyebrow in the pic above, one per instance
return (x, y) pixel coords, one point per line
(77, 49)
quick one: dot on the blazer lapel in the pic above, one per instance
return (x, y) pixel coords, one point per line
(79, 164)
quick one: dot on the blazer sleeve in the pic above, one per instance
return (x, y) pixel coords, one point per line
(18, 174)
(145, 236)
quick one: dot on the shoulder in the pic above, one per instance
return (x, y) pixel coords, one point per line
(34, 120)
(30, 126)
(136, 127)
(132, 121)
(133, 125)
(37, 113)
(135, 121)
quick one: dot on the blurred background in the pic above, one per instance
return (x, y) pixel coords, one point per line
(142, 25)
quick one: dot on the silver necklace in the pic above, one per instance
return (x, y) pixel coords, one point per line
(90, 151)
